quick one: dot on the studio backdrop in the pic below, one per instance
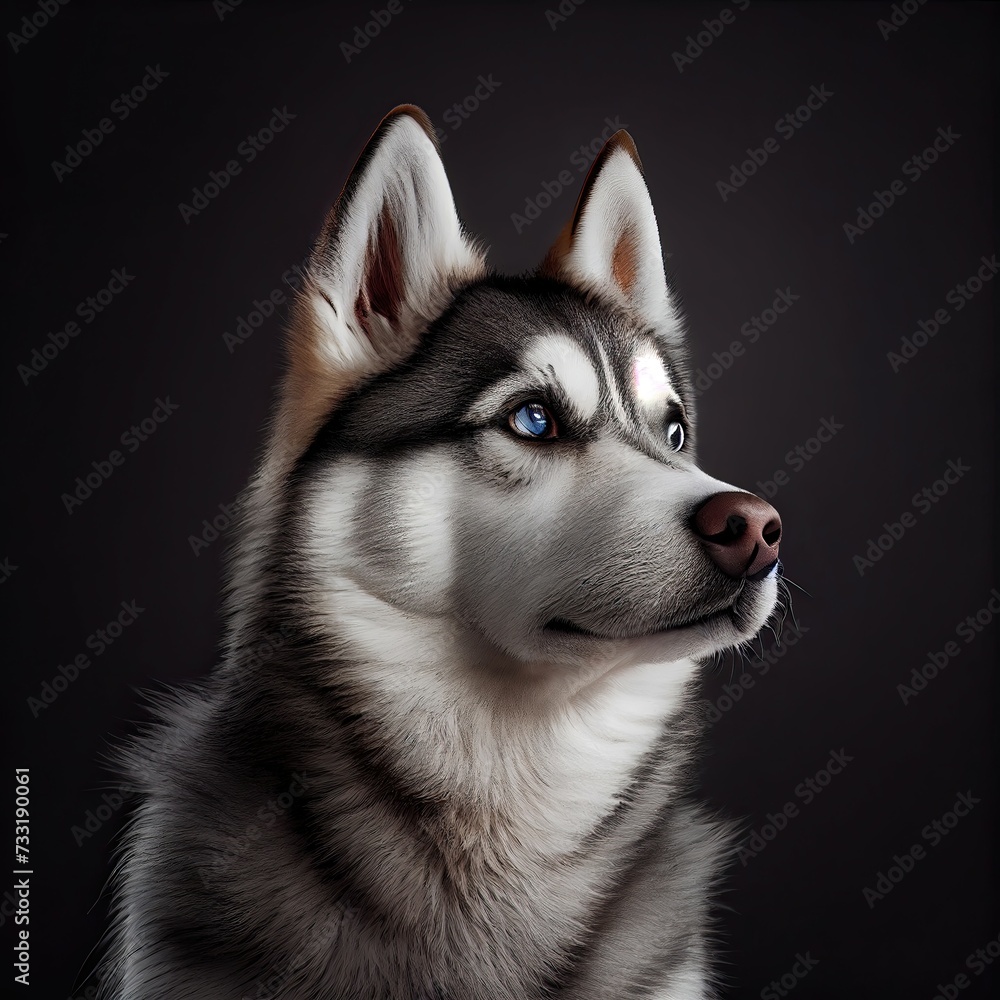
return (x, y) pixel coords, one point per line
(823, 179)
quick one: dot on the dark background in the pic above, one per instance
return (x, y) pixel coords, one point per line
(835, 690)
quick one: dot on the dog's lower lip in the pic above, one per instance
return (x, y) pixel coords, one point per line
(568, 627)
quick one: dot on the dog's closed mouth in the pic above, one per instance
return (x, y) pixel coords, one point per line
(731, 612)
(561, 625)
(569, 628)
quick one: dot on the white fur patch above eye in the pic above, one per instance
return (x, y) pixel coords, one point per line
(555, 362)
(650, 378)
(574, 373)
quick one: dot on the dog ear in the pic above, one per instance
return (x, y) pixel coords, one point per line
(611, 245)
(388, 261)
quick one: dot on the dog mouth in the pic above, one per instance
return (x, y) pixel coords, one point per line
(734, 614)
(565, 627)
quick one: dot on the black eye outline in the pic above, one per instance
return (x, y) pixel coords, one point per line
(551, 432)
(671, 426)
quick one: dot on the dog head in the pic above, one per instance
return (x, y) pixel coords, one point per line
(507, 463)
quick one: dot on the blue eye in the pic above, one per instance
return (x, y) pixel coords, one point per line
(532, 421)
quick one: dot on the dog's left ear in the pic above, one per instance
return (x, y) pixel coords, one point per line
(611, 245)
(388, 261)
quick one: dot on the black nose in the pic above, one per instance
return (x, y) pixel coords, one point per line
(740, 532)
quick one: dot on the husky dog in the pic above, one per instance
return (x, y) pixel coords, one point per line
(449, 752)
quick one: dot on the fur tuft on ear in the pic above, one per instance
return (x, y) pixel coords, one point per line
(389, 259)
(611, 245)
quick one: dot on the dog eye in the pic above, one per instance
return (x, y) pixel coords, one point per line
(532, 421)
(675, 435)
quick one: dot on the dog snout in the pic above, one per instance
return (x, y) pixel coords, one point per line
(740, 532)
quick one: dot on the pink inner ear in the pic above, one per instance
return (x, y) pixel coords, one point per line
(382, 286)
(624, 261)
